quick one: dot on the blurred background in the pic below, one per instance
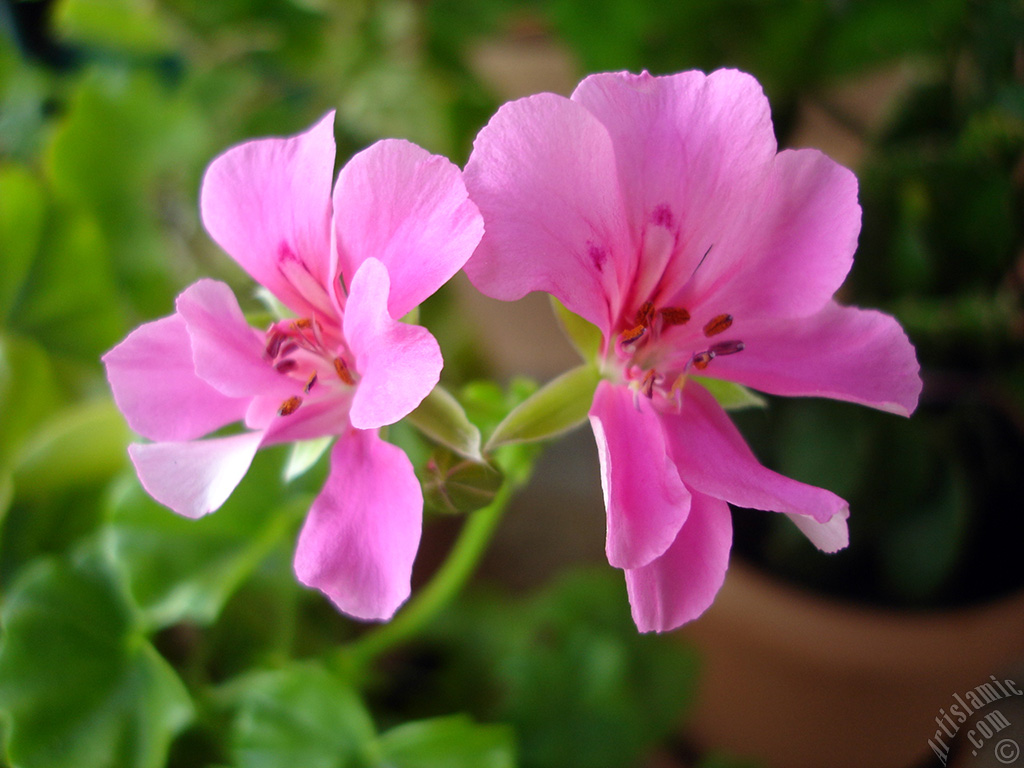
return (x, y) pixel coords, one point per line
(134, 638)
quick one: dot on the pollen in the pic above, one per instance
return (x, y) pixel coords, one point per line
(718, 324)
(701, 360)
(289, 406)
(633, 334)
(310, 382)
(674, 316)
(343, 372)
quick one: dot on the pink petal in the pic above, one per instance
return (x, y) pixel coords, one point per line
(228, 353)
(645, 500)
(268, 204)
(681, 584)
(360, 538)
(789, 258)
(543, 174)
(194, 478)
(314, 418)
(713, 458)
(692, 152)
(828, 537)
(398, 363)
(409, 209)
(153, 379)
(845, 353)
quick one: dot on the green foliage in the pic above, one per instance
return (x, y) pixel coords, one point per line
(80, 683)
(132, 637)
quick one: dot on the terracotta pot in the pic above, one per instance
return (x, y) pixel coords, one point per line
(796, 680)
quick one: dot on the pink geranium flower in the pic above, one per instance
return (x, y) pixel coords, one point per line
(397, 226)
(659, 209)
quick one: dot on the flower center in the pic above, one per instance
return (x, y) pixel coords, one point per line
(656, 362)
(298, 349)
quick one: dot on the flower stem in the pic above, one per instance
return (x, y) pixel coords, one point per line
(440, 590)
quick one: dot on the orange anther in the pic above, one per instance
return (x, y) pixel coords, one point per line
(633, 334)
(310, 383)
(702, 359)
(674, 316)
(343, 372)
(718, 324)
(289, 406)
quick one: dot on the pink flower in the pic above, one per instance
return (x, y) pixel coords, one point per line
(659, 209)
(397, 226)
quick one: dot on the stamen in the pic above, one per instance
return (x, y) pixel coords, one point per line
(274, 341)
(302, 323)
(727, 347)
(701, 360)
(286, 366)
(674, 316)
(310, 383)
(647, 385)
(645, 314)
(289, 406)
(343, 372)
(717, 325)
(633, 334)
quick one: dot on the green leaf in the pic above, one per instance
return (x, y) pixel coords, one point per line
(80, 444)
(448, 742)
(730, 395)
(79, 683)
(443, 419)
(127, 24)
(180, 569)
(28, 390)
(22, 214)
(301, 715)
(555, 408)
(585, 336)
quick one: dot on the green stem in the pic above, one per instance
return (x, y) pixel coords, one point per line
(445, 584)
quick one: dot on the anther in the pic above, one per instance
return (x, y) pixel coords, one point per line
(727, 348)
(289, 406)
(302, 323)
(645, 314)
(647, 385)
(286, 366)
(310, 383)
(701, 360)
(343, 372)
(274, 342)
(718, 324)
(674, 316)
(633, 334)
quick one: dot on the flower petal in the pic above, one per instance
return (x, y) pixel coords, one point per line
(845, 353)
(792, 256)
(543, 174)
(681, 584)
(691, 151)
(828, 537)
(267, 203)
(155, 386)
(409, 209)
(645, 500)
(360, 538)
(194, 478)
(398, 363)
(228, 353)
(713, 458)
